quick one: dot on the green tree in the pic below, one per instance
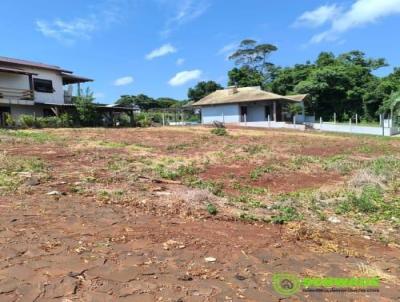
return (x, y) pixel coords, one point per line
(84, 104)
(253, 67)
(202, 89)
(343, 84)
(392, 104)
(253, 55)
(245, 76)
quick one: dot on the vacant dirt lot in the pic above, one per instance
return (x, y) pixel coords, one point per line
(180, 214)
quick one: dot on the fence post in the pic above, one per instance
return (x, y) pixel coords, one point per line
(245, 119)
(294, 120)
(334, 117)
(320, 123)
(163, 119)
(356, 119)
(382, 118)
(223, 118)
(269, 121)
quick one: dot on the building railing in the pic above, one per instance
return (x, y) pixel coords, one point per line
(17, 94)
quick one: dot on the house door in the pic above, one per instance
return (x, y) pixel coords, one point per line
(267, 112)
(243, 114)
(279, 112)
(3, 114)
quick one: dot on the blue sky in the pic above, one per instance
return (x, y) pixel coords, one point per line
(163, 47)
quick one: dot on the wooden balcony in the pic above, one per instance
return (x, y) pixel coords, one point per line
(16, 94)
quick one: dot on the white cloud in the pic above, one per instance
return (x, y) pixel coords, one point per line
(123, 81)
(180, 61)
(104, 14)
(183, 77)
(361, 13)
(162, 51)
(67, 32)
(184, 11)
(319, 16)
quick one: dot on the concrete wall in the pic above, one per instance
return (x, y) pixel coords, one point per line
(222, 113)
(16, 81)
(331, 127)
(272, 124)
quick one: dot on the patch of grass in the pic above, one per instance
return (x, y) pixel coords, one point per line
(110, 195)
(340, 163)
(366, 202)
(215, 188)
(260, 171)
(388, 166)
(249, 189)
(254, 149)
(212, 209)
(28, 135)
(10, 166)
(366, 149)
(285, 214)
(219, 131)
(178, 147)
(139, 147)
(173, 174)
(110, 144)
(300, 161)
(372, 204)
(249, 201)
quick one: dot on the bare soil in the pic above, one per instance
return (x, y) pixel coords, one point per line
(150, 242)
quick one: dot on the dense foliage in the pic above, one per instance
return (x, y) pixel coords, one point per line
(86, 109)
(202, 89)
(145, 102)
(345, 84)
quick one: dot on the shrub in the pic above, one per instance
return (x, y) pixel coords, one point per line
(368, 201)
(286, 214)
(219, 131)
(9, 120)
(30, 121)
(212, 209)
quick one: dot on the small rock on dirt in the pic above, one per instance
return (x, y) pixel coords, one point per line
(54, 193)
(334, 219)
(210, 259)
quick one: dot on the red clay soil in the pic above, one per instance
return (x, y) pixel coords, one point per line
(294, 181)
(274, 182)
(73, 247)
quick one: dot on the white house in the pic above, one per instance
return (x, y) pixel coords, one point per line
(34, 88)
(250, 106)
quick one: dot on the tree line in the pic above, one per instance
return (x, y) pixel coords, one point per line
(345, 84)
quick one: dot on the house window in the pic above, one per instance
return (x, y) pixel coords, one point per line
(41, 85)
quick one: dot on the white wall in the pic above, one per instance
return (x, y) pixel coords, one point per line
(222, 113)
(345, 128)
(55, 77)
(16, 81)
